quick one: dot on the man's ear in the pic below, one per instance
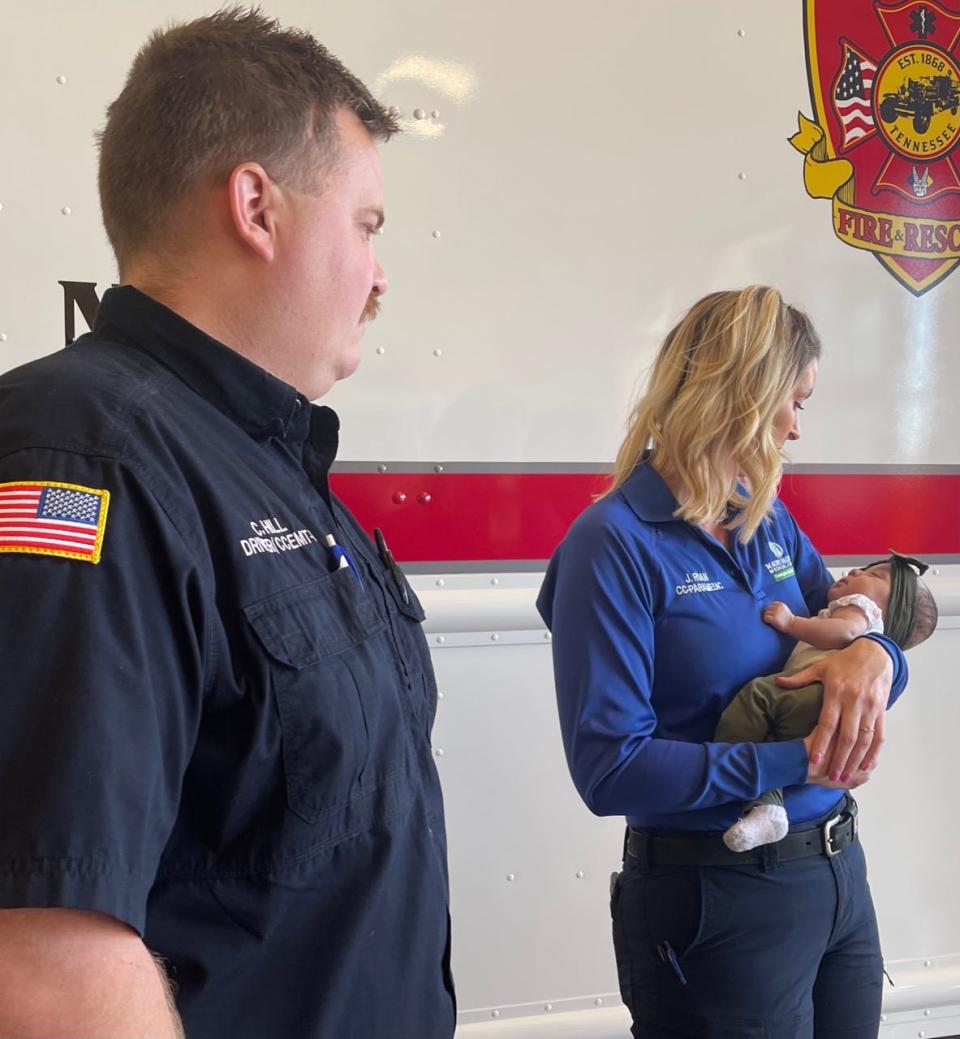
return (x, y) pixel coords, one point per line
(252, 197)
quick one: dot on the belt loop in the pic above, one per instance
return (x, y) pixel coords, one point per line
(644, 852)
(637, 850)
(770, 859)
(626, 840)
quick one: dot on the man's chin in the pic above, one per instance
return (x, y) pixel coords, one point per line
(349, 365)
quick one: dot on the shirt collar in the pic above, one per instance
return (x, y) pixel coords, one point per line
(257, 401)
(646, 493)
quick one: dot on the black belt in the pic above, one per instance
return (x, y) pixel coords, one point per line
(646, 848)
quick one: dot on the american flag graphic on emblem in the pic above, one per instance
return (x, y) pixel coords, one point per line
(854, 95)
(53, 519)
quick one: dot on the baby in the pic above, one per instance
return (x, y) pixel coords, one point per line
(887, 596)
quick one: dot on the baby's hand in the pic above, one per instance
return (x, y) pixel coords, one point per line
(778, 615)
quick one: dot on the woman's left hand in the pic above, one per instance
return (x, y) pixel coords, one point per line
(856, 687)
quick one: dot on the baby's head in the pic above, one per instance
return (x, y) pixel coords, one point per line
(907, 604)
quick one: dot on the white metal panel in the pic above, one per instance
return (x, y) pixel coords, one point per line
(584, 176)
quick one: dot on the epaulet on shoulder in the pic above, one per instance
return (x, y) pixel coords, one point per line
(84, 395)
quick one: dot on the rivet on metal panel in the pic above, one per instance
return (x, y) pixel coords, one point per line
(440, 640)
(418, 113)
(883, 1018)
(928, 963)
(436, 234)
(548, 1007)
(494, 581)
(399, 498)
(424, 497)
(3, 337)
(511, 877)
(440, 582)
(935, 571)
(494, 637)
(598, 1002)
(381, 351)
(439, 752)
(926, 1013)
(579, 874)
(61, 80)
(439, 695)
(438, 468)
(438, 352)
(1, 207)
(547, 635)
(381, 468)
(435, 114)
(742, 175)
(921, 1034)
(741, 33)
(66, 210)
(494, 1013)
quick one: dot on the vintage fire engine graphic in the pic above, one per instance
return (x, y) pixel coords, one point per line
(885, 87)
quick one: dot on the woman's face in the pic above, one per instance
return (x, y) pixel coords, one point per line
(786, 422)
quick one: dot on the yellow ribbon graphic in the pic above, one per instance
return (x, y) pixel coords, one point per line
(822, 177)
(889, 234)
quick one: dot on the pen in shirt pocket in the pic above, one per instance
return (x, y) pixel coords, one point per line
(341, 557)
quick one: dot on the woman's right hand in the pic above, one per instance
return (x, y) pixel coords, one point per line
(818, 773)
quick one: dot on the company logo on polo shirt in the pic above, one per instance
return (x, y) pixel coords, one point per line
(270, 536)
(698, 581)
(781, 566)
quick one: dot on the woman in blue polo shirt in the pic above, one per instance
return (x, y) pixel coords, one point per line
(654, 599)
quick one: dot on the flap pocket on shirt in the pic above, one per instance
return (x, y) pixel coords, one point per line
(301, 626)
(317, 665)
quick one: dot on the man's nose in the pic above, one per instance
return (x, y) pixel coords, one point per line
(380, 282)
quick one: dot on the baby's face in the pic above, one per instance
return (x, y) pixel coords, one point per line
(874, 582)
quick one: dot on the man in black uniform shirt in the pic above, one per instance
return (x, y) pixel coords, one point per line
(215, 734)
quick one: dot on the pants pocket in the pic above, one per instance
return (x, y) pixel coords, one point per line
(658, 918)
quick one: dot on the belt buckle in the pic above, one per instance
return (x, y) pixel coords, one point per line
(826, 832)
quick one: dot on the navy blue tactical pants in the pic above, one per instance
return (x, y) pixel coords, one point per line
(779, 951)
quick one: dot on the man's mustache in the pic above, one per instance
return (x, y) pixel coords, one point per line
(371, 309)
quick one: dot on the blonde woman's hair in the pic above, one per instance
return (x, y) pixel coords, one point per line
(721, 376)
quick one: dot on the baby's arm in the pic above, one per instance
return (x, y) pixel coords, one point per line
(835, 632)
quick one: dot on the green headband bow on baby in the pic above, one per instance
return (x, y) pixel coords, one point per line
(901, 612)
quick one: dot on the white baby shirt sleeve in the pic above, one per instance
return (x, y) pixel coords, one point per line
(864, 603)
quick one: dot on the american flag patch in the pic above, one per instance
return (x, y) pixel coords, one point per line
(53, 519)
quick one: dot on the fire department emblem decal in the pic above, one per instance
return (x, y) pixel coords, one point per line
(883, 142)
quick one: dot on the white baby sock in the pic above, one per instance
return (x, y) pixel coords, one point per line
(763, 824)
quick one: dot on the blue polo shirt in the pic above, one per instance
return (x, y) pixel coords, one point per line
(656, 626)
(207, 730)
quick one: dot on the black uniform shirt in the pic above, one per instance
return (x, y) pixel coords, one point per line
(207, 730)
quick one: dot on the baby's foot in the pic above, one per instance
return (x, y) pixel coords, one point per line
(763, 824)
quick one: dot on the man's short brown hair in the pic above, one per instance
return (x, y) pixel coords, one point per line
(205, 96)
